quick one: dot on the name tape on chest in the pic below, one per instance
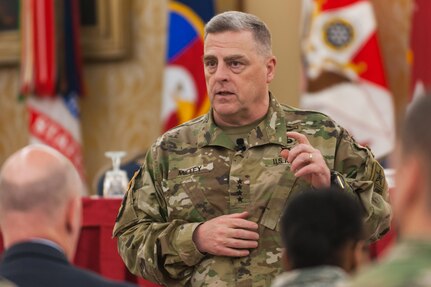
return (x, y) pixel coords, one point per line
(196, 169)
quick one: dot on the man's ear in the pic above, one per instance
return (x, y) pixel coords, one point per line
(72, 226)
(74, 216)
(352, 254)
(361, 255)
(270, 68)
(285, 260)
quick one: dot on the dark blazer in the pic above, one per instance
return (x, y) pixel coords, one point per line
(36, 264)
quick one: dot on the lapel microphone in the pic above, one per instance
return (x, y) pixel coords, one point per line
(240, 145)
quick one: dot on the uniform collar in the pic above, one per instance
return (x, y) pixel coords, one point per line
(324, 275)
(272, 129)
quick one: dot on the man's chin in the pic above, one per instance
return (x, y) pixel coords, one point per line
(225, 110)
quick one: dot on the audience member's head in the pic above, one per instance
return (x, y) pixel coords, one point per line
(40, 198)
(412, 197)
(323, 227)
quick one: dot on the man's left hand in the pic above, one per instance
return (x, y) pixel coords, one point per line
(307, 162)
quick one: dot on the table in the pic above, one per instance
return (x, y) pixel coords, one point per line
(96, 249)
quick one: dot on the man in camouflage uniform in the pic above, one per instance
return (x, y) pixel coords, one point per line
(408, 264)
(204, 208)
(321, 248)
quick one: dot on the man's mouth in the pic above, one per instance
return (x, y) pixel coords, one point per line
(224, 93)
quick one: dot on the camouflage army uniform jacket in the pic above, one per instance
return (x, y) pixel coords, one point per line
(408, 264)
(193, 173)
(322, 276)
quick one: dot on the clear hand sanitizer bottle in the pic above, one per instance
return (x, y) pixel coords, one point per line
(116, 180)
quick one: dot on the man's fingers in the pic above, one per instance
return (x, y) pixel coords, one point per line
(232, 252)
(243, 224)
(238, 220)
(306, 161)
(243, 214)
(240, 244)
(285, 153)
(300, 150)
(306, 170)
(223, 234)
(300, 138)
(300, 161)
(244, 234)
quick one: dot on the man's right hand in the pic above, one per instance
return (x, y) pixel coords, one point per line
(227, 235)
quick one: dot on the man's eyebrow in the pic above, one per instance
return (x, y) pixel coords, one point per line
(226, 59)
(208, 57)
(233, 58)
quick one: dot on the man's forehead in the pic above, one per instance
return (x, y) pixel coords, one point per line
(229, 47)
(228, 57)
(229, 33)
(228, 39)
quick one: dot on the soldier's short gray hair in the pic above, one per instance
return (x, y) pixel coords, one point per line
(239, 21)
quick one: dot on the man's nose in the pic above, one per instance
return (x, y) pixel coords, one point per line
(222, 72)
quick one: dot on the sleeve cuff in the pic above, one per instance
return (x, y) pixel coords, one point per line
(185, 246)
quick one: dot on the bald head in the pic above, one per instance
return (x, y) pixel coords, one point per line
(37, 178)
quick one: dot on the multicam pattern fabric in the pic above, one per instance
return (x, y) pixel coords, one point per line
(407, 265)
(193, 173)
(322, 276)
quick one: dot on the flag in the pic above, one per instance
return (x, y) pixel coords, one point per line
(51, 75)
(184, 90)
(420, 45)
(344, 71)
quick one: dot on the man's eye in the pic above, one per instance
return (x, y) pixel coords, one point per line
(210, 64)
(236, 66)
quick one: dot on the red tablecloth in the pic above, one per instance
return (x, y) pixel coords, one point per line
(97, 250)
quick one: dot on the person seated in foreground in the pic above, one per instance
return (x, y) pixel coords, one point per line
(323, 236)
(40, 220)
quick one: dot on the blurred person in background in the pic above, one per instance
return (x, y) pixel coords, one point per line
(409, 262)
(40, 220)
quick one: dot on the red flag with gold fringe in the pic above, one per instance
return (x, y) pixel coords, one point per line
(51, 74)
(344, 70)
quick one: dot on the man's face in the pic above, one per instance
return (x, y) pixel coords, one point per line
(237, 77)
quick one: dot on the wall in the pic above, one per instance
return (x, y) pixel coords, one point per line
(13, 116)
(121, 109)
(283, 19)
